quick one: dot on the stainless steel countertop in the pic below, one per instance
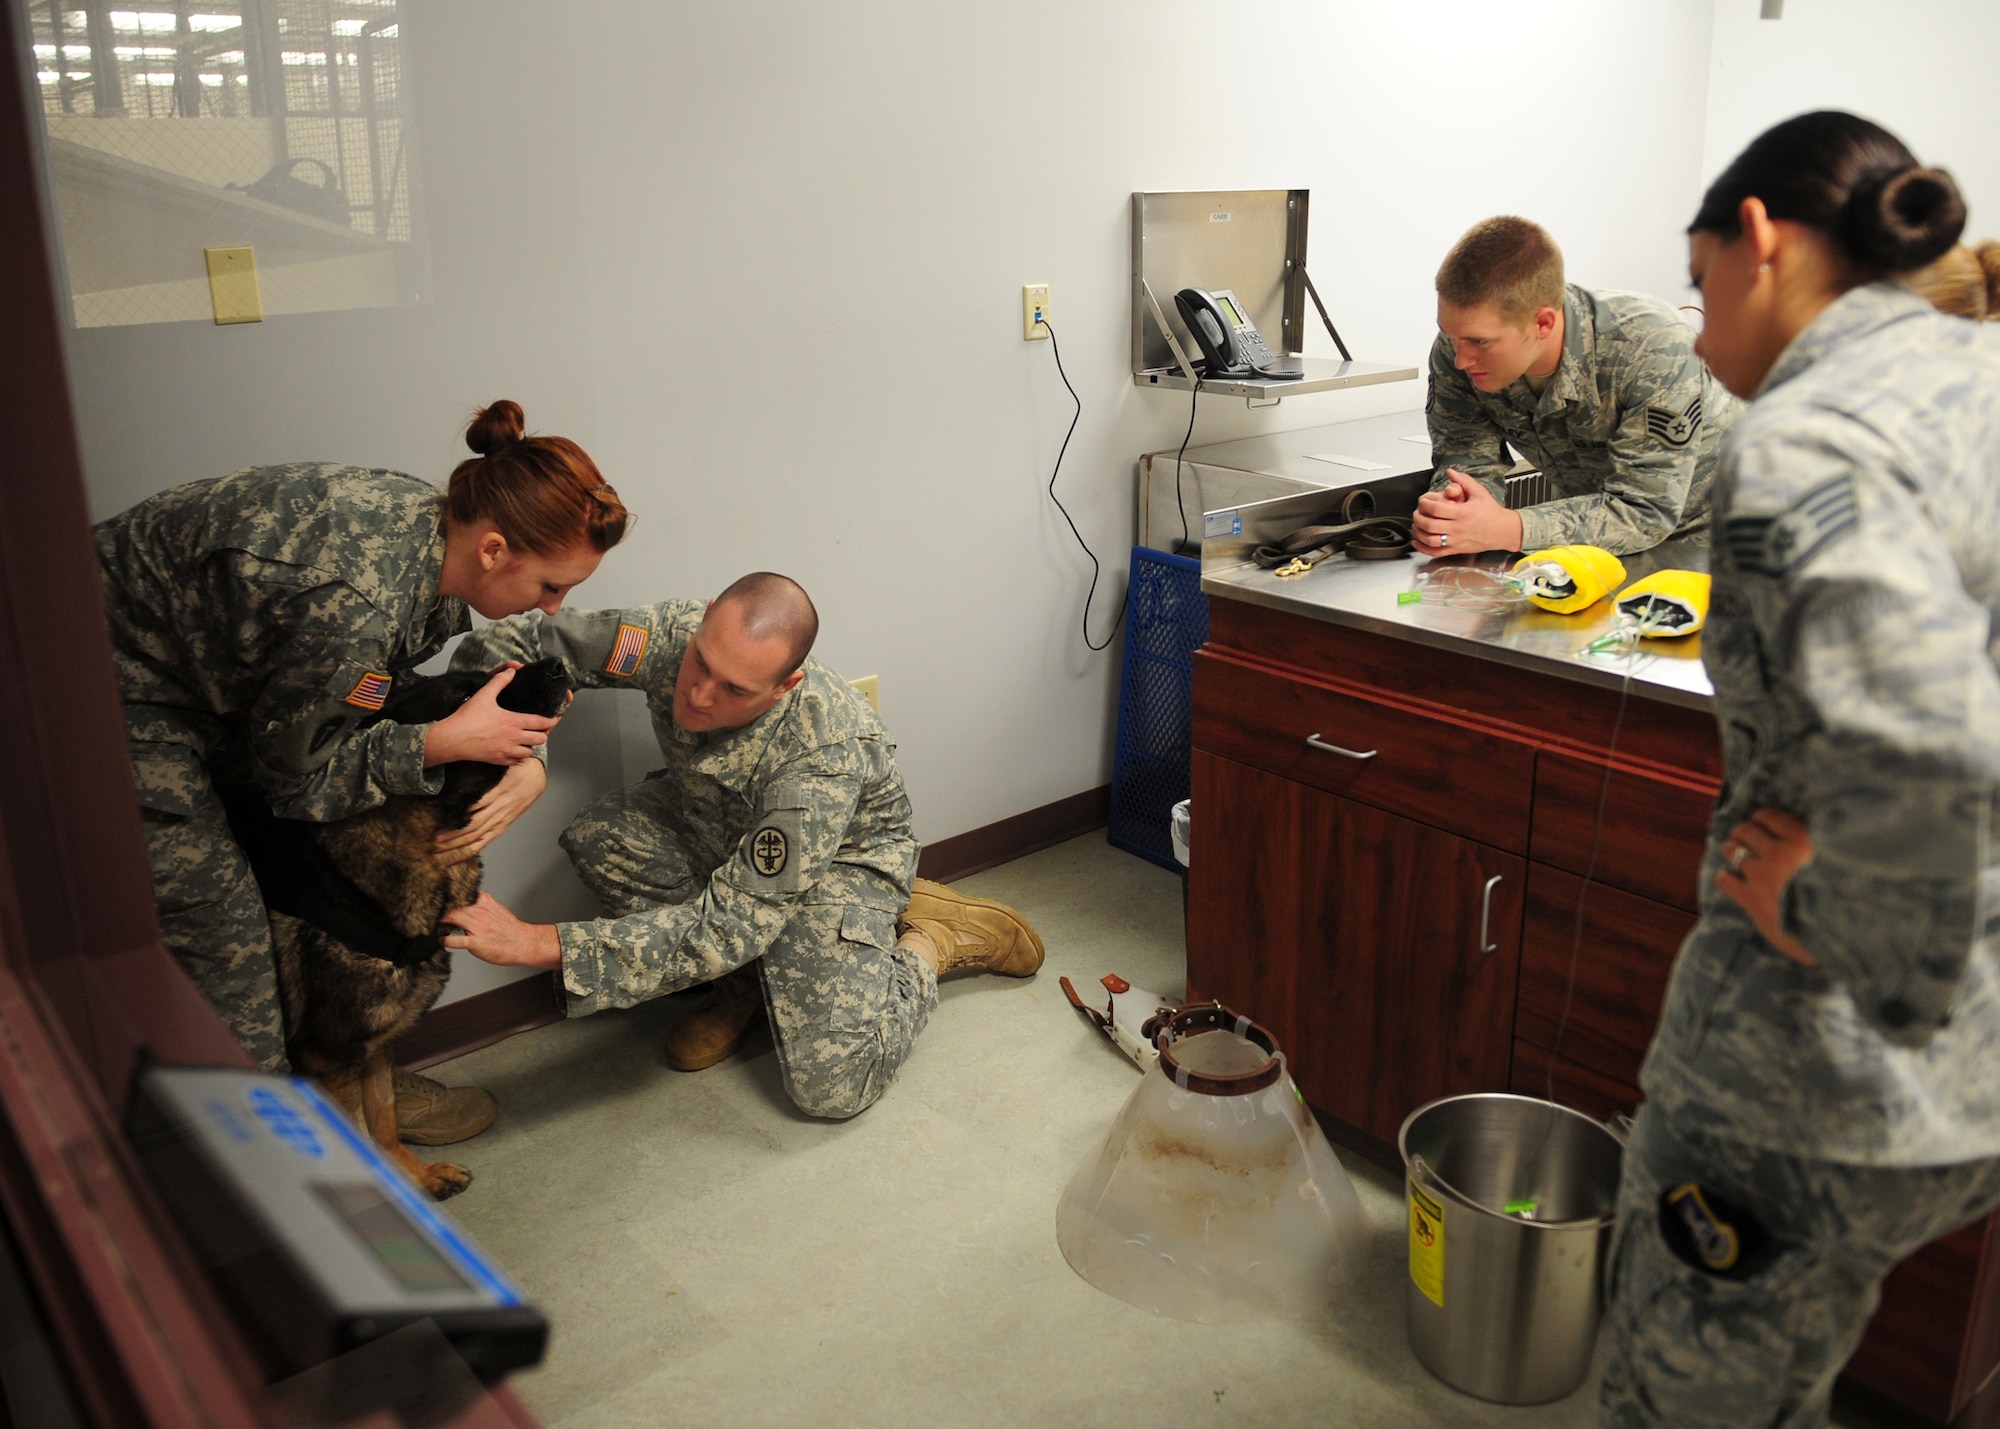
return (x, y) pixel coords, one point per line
(1461, 606)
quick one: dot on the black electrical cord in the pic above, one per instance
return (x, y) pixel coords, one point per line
(1095, 569)
(1180, 504)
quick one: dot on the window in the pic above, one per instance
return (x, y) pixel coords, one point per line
(280, 124)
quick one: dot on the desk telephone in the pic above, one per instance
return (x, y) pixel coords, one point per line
(1229, 339)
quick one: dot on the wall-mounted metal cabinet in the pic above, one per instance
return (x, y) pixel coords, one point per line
(1252, 241)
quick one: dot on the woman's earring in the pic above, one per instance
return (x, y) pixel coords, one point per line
(1763, 267)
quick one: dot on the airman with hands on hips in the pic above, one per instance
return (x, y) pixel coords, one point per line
(1820, 1092)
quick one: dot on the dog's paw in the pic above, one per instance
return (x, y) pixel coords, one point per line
(444, 1179)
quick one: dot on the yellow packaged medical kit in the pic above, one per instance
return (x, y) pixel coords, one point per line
(1569, 578)
(1667, 603)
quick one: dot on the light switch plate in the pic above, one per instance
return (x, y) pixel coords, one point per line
(232, 285)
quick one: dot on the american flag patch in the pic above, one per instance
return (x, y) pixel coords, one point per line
(626, 650)
(372, 691)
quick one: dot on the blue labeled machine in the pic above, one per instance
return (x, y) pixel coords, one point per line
(319, 1243)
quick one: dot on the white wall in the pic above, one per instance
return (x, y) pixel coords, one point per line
(764, 261)
(1923, 70)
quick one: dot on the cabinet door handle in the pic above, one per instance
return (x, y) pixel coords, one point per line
(1317, 743)
(1486, 915)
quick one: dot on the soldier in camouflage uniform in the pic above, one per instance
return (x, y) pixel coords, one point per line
(1822, 1097)
(233, 641)
(1601, 391)
(776, 836)
(255, 620)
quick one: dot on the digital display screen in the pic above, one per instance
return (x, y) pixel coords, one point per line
(1229, 308)
(387, 1233)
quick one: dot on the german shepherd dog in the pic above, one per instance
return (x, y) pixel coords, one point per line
(355, 908)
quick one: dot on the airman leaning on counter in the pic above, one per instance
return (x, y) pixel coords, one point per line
(1600, 390)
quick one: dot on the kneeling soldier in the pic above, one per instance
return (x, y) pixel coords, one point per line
(776, 838)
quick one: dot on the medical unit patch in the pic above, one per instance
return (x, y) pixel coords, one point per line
(1773, 545)
(371, 691)
(770, 851)
(626, 650)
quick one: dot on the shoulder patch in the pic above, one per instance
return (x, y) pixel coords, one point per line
(1676, 429)
(1775, 545)
(627, 650)
(770, 850)
(371, 691)
(1714, 1235)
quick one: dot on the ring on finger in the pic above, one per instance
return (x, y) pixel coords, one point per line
(1738, 856)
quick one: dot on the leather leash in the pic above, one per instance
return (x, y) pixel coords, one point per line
(1361, 533)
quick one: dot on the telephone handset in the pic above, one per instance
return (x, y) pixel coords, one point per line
(1229, 339)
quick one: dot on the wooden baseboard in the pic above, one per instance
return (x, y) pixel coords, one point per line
(480, 1021)
(963, 855)
(489, 1017)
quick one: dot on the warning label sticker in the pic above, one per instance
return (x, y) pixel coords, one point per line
(1427, 1245)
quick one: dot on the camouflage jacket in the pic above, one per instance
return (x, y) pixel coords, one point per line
(277, 604)
(783, 811)
(1854, 642)
(1626, 433)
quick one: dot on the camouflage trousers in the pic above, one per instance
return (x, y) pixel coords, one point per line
(1695, 1350)
(846, 1000)
(212, 916)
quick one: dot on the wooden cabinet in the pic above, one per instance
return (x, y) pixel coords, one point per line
(1375, 982)
(1624, 824)
(1339, 895)
(1593, 973)
(1449, 773)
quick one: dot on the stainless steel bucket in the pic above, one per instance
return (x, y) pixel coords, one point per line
(1504, 1303)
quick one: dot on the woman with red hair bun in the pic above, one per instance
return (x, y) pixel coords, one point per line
(258, 619)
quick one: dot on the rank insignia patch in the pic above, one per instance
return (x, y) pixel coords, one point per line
(626, 650)
(1675, 429)
(1773, 545)
(372, 690)
(770, 850)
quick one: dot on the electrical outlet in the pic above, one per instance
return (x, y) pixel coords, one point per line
(232, 285)
(1034, 307)
(870, 687)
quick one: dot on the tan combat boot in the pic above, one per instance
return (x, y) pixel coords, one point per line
(430, 1113)
(714, 1029)
(969, 932)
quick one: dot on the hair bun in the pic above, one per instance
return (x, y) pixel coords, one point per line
(1902, 221)
(496, 428)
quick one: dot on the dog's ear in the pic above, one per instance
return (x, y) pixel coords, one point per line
(541, 688)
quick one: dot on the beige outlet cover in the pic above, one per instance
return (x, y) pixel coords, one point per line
(232, 285)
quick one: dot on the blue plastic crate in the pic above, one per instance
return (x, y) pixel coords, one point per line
(1166, 622)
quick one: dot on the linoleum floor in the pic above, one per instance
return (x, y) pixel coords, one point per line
(709, 1256)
